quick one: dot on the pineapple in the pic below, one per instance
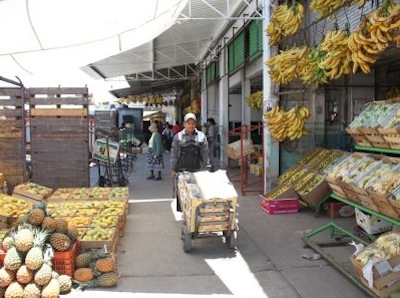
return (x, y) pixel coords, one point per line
(83, 260)
(43, 275)
(36, 216)
(6, 277)
(61, 225)
(14, 290)
(2, 292)
(8, 242)
(60, 242)
(73, 233)
(105, 265)
(83, 274)
(22, 219)
(23, 239)
(37, 213)
(32, 290)
(52, 289)
(34, 257)
(49, 224)
(13, 259)
(24, 275)
(65, 283)
(109, 279)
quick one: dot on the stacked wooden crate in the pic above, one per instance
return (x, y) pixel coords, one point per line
(59, 136)
(12, 136)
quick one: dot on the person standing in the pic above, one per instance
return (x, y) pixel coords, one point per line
(176, 128)
(212, 138)
(167, 136)
(189, 150)
(154, 160)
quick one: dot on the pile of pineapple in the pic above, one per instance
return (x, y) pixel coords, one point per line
(96, 269)
(29, 248)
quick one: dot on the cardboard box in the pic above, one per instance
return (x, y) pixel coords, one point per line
(234, 150)
(338, 209)
(280, 206)
(286, 202)
(317, 194)
(372, 224)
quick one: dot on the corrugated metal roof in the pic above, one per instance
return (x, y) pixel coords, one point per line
(171, 58)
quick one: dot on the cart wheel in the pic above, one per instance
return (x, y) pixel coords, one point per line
(187, 240)
(231, 240)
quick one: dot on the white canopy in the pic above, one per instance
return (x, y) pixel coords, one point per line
(38, 37)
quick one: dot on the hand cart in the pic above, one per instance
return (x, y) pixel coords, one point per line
(106, 154)
(207, 218)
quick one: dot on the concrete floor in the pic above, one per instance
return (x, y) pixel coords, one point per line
(267, 263)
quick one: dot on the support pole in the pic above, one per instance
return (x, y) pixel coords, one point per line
(270, 145)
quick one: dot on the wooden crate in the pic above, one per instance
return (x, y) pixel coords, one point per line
(12, 136)
(111, 245)
(59, 137)
(358, 137)
(391, 137)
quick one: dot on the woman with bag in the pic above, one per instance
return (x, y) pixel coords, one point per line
(154, 160)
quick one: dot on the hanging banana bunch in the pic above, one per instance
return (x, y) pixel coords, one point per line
(364, 50)
(287, 124)
(286, 66)
(327, 8)
(338, 55)
(311, 72)
(286, 21)
(255, 101)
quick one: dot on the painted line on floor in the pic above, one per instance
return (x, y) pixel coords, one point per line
(150, 200)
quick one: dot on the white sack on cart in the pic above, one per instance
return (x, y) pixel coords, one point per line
(215, 185)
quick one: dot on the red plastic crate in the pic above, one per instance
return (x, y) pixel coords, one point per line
(64, 261)
(2, 256)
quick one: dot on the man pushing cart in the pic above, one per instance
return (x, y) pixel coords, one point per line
(203, 215)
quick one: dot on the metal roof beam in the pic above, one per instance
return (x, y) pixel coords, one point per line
(173, 74)
(222, 15)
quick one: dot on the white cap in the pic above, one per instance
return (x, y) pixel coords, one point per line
(189, 116)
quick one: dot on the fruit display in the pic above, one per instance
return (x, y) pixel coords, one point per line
(87, 212)
(327, 8)
(255, 101)
(360, 168)
(286, 21)
(291, 176)
(288, 64)
(95, 193)
(318, 158)
(337, 60)
(104, 221)
(97, 234)
(303, 181)
(63, 212)
(331, 159)
(287, 125)
(276, 192)
(343, 167)
(373, 115)
(76, 205)
(369, 179)
(385, 247)
(13, 207)
(79, 221)
(96, 269)
(309, 155)
(28, 269)
(34, 189)
(312, 72)
(312, 184)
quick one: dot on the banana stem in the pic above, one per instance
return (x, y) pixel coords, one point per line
(385, 5)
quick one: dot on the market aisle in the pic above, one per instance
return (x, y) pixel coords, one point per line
(152, 262)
